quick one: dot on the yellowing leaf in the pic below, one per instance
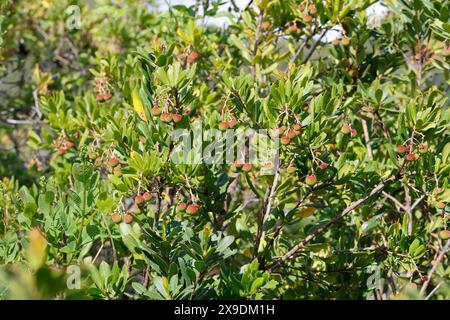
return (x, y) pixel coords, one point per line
(138, 105)
(37, 250)
(306, 212)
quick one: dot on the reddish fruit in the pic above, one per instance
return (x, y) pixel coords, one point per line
(423, 148)
(139, 199)
(113, 161)
(312, 9)
(345, 41)
(353, 132)
(285, 140)
(165, 117)
(293, 28)
(292, 133)
(239, 163)
(247, 167)
(424, 277)
(156, 111)
(291, 169)
(142, 139)
(446, 51)
(411, 156)
(335, 42)
(103, 96)
(441, 205)
(307, 18)
(444, 234)
(128, 218)
(117, 171)
(116, 217)
(346, 129)
(177, 117)
(147, 196)
(192, 209)
(181, 206)
(297, 127)
(68, 145)
(192, 57)
(323, 166)
(401, 148)
(224, 125)
(311, 179)
(232, 122)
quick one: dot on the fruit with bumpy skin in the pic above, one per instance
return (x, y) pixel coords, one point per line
(181, 206)
(353, 132)
(441, 205)
(192, 57)
(293, 28)
(311, 179)
(292, 133)
(247, 167)
(116, 218)
(113, 161)
(312, 9)
(411, 156)
(177, 117)
(323, 166)
(345, 41)
(285, 140)
(156, 111)
(401, 148)
(128, 218)
(147, 196)
(224, 125)
(444, 234)
(232, 122)
(297, 127)
(346, 129)
(423, 148)
(139, 199)
(117, 171)
(307, 18)
(291, 169)
(166, 117)
(192, 209)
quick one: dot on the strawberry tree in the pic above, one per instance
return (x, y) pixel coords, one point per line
(129, 170)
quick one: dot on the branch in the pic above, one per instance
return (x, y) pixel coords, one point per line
(315, 45)
(321, 229)
(367, 139)
(441, 255)
(265, 211)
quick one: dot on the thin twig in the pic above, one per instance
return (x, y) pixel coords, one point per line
(438, 260)
(367, 139)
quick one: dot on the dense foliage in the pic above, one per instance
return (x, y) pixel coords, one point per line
(92, 204)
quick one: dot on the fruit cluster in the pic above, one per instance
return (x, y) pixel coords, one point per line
(103, 89)
(167, 116)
